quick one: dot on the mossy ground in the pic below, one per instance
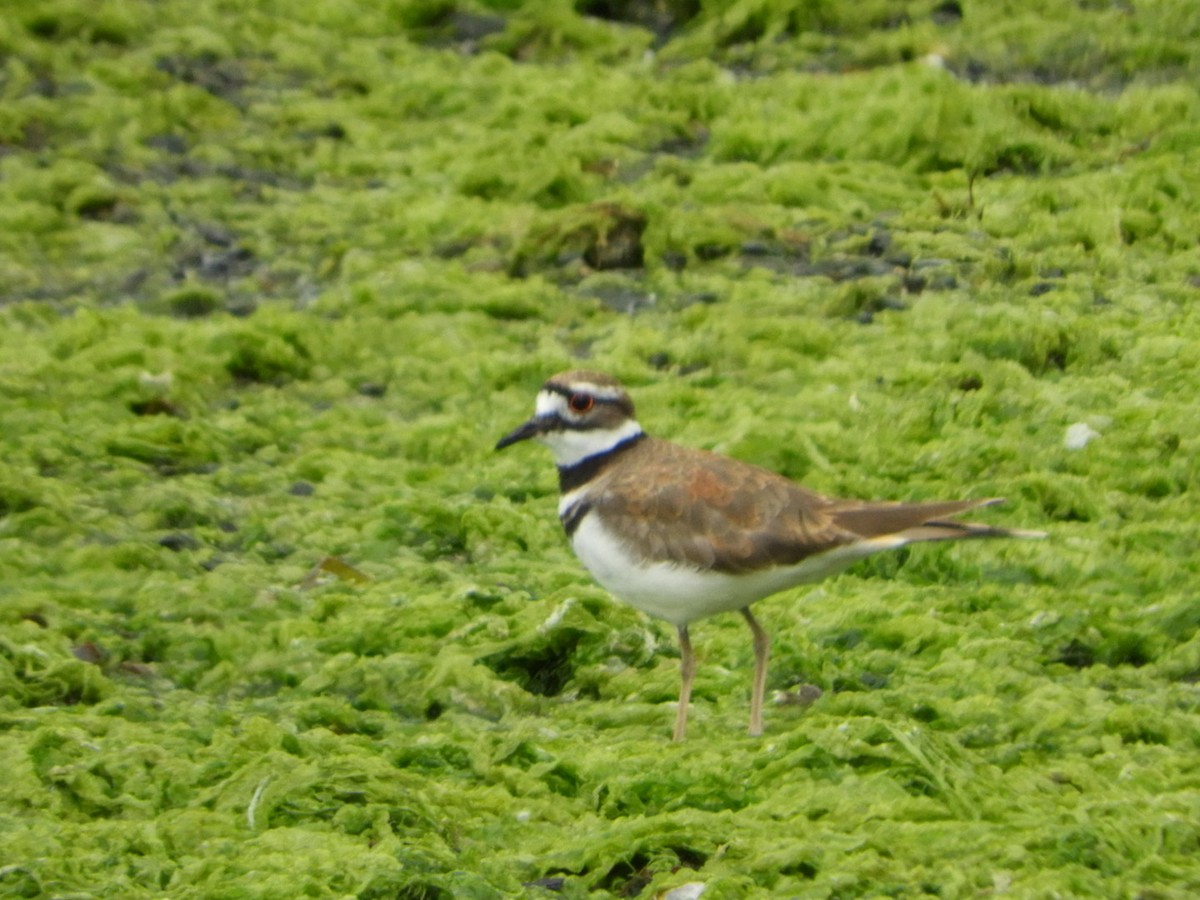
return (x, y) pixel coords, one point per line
(276, 277)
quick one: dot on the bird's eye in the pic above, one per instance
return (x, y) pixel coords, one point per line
(581, 403)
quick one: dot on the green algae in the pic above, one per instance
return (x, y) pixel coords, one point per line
(273, 284)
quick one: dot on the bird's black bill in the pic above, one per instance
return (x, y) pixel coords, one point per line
(532, 428)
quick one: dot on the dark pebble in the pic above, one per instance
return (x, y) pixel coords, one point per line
(178, 541)
(674, 260)
(710, 251)
(879, 243)
(948, 12)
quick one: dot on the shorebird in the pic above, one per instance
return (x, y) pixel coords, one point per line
(682, 534)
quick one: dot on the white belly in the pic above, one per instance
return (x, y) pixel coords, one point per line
(681, 594)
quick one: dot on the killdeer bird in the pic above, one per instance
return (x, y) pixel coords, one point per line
(682, 534)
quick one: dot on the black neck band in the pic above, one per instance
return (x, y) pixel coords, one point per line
(572, 477)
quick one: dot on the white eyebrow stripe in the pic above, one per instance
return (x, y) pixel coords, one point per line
(600, 392)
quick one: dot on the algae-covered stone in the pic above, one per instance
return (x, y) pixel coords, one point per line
(266, 358)
(193, 302)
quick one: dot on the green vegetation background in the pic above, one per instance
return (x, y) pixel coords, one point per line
(274, 277)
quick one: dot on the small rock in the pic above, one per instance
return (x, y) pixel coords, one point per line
(178, 541)
(803, 695)
(947, 12)
(372, 389)
(88, 652)
(674, 260)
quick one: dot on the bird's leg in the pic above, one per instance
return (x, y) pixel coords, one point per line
(687, 667)
(762, 652)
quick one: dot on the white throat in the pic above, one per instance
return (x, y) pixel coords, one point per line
(571, 447)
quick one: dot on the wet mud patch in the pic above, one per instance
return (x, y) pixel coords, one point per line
(223, 78)
(664, 19)
(630, 877)
(453, 26)
(544, 667)
(596, 237)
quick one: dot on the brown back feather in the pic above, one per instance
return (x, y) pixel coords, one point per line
(750, 518)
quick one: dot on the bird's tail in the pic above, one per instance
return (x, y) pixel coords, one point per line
(932, 521)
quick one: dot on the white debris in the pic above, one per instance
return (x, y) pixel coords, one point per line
(557, 616)
(689, 891)
(1079, 436)
(158, 382)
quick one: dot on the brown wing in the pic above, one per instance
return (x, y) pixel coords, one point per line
(715, 512)
(718, 513)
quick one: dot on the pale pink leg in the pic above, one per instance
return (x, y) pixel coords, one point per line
(762, 652)
(687, 665)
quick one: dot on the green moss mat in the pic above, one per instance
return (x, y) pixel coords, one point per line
(276, 622)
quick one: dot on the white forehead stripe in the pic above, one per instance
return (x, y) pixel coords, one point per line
(549, 403)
